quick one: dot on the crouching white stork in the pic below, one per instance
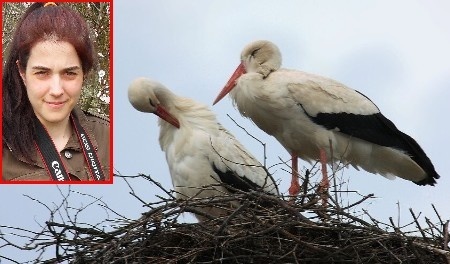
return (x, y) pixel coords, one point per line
(199, 151)
(315, 117)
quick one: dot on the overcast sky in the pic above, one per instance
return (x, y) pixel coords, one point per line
(395, 52)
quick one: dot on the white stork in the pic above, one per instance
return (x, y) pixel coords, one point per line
(315, 117)
(199, 151)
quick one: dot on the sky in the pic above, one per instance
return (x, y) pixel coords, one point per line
(396, 53)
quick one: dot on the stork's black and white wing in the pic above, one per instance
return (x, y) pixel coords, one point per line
(236, 167)
(339, 108)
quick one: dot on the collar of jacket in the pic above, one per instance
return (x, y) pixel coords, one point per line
(72, 144)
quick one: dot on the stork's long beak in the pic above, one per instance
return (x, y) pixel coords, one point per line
(231, 82)
(166, 116)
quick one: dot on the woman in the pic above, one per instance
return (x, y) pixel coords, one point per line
(46, 136)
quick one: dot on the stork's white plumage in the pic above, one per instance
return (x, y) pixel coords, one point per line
(314, 116)
(199, 151)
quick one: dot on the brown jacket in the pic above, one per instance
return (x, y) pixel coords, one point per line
(16, 168)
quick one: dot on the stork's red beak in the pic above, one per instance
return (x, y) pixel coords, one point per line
(166, 116)
(231, 82)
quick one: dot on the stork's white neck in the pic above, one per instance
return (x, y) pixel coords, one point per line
(191, 115)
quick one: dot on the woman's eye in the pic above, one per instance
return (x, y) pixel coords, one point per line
(41, 73)
(70, 75)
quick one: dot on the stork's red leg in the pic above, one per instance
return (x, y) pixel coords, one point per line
(294, 189)
(325, 183)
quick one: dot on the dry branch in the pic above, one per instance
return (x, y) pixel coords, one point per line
(278, 232)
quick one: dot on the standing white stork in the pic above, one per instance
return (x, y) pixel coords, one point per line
(317, 118)
(199, 151)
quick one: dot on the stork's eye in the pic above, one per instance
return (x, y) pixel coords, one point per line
(151, 102)
(254, 52)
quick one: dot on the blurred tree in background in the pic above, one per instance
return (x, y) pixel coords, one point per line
(95, 96)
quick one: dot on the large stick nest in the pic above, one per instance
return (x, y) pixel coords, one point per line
(263, 229)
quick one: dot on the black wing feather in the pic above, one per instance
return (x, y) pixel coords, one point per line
(378, 129)
(230, 178)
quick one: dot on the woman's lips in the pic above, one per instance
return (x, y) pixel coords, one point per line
(56, 105)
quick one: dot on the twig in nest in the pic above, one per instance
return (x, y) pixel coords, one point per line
(255, 138)
(445, 231)
(417, 224)
(305, 186)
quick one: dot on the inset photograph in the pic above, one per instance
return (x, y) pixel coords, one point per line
(56, 90)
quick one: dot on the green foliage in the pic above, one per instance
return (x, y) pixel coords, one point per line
(96, 90)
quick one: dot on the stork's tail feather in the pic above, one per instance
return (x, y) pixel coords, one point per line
(419, 156)
(412, 149)
(430, 180)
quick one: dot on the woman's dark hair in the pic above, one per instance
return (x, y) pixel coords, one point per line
(38, 23)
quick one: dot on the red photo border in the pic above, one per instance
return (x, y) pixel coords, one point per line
(111, 96)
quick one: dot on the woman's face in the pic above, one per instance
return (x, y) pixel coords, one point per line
(53, 78)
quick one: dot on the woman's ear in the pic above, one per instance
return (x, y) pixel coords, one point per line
(22, 74)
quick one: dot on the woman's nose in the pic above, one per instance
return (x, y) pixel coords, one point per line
(56, 88)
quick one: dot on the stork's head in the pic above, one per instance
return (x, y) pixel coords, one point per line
(150, 97)
(261, 56)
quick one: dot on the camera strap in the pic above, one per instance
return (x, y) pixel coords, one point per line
(52, 159)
